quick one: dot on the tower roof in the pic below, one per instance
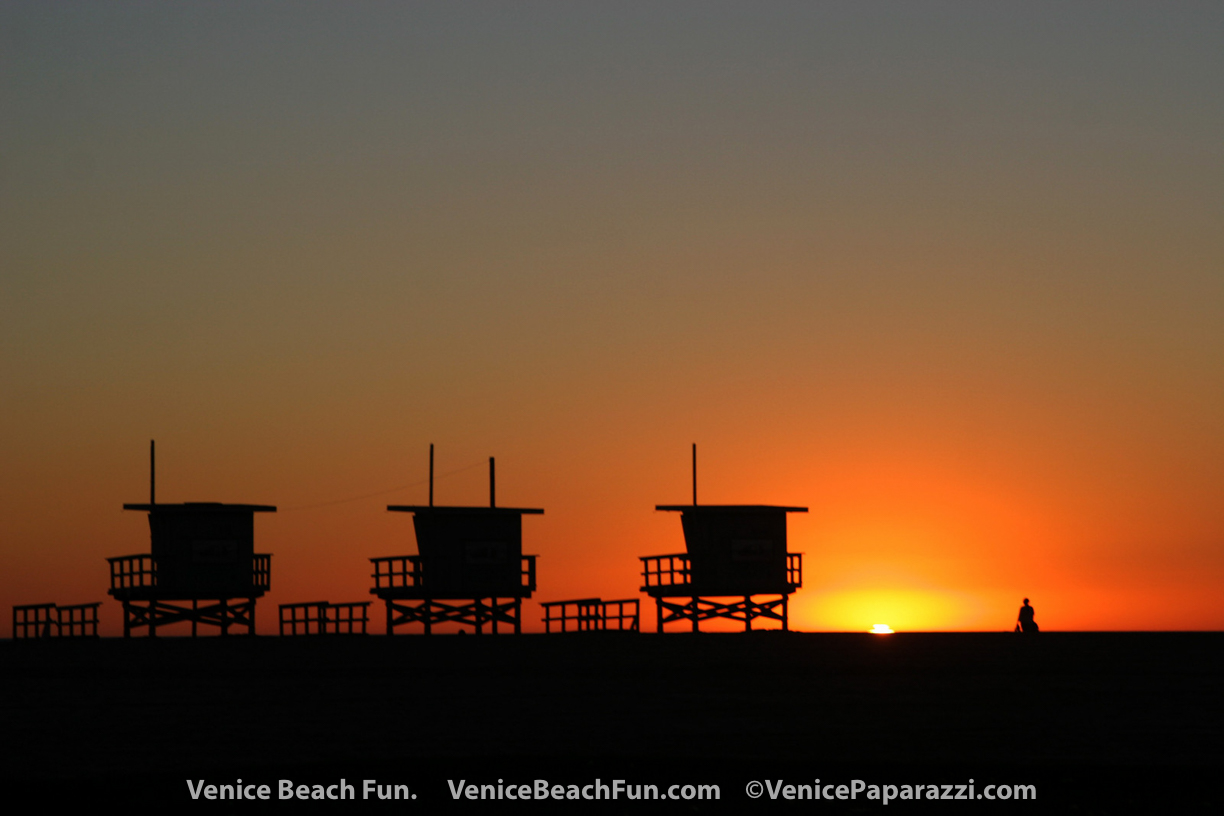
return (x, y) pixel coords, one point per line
(426, 508)
(732, 508)
(202, 507)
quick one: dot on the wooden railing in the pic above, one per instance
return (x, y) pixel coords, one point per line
(133, 571)
(591, 615)
(676, 570)
(49, 620)
(666, 570)
(35, 621)
(78, 620)
(324, 618)
(404, 571)
(397, 571)
(794, 569)
(261, 569)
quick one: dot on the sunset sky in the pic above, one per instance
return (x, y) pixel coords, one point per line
(951, 275)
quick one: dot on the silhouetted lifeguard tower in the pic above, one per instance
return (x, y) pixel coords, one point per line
(202, 553)
(470, 568)
(734, 551)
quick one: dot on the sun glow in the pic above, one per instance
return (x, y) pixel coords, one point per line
(881, 629)
(911, 609)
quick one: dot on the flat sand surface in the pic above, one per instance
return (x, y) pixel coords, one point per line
(111, 708)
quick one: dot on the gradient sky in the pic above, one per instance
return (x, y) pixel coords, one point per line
(950, 274)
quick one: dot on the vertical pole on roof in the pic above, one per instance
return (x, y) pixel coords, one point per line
(492, 483)
(694, 474)
(152, 474)
(431, 474)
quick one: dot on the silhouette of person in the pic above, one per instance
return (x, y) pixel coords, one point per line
(1027, 624)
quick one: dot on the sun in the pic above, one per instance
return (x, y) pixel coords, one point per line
(881, 629)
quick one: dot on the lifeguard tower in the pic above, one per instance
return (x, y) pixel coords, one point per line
(202, 566)
(470, 568)
(735, 553)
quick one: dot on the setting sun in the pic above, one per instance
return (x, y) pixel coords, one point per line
(881, 629)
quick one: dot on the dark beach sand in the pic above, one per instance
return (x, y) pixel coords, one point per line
(1095, 719)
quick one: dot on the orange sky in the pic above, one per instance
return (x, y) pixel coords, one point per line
(950, 278)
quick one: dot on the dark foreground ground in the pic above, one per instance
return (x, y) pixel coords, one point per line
(1095, 721)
